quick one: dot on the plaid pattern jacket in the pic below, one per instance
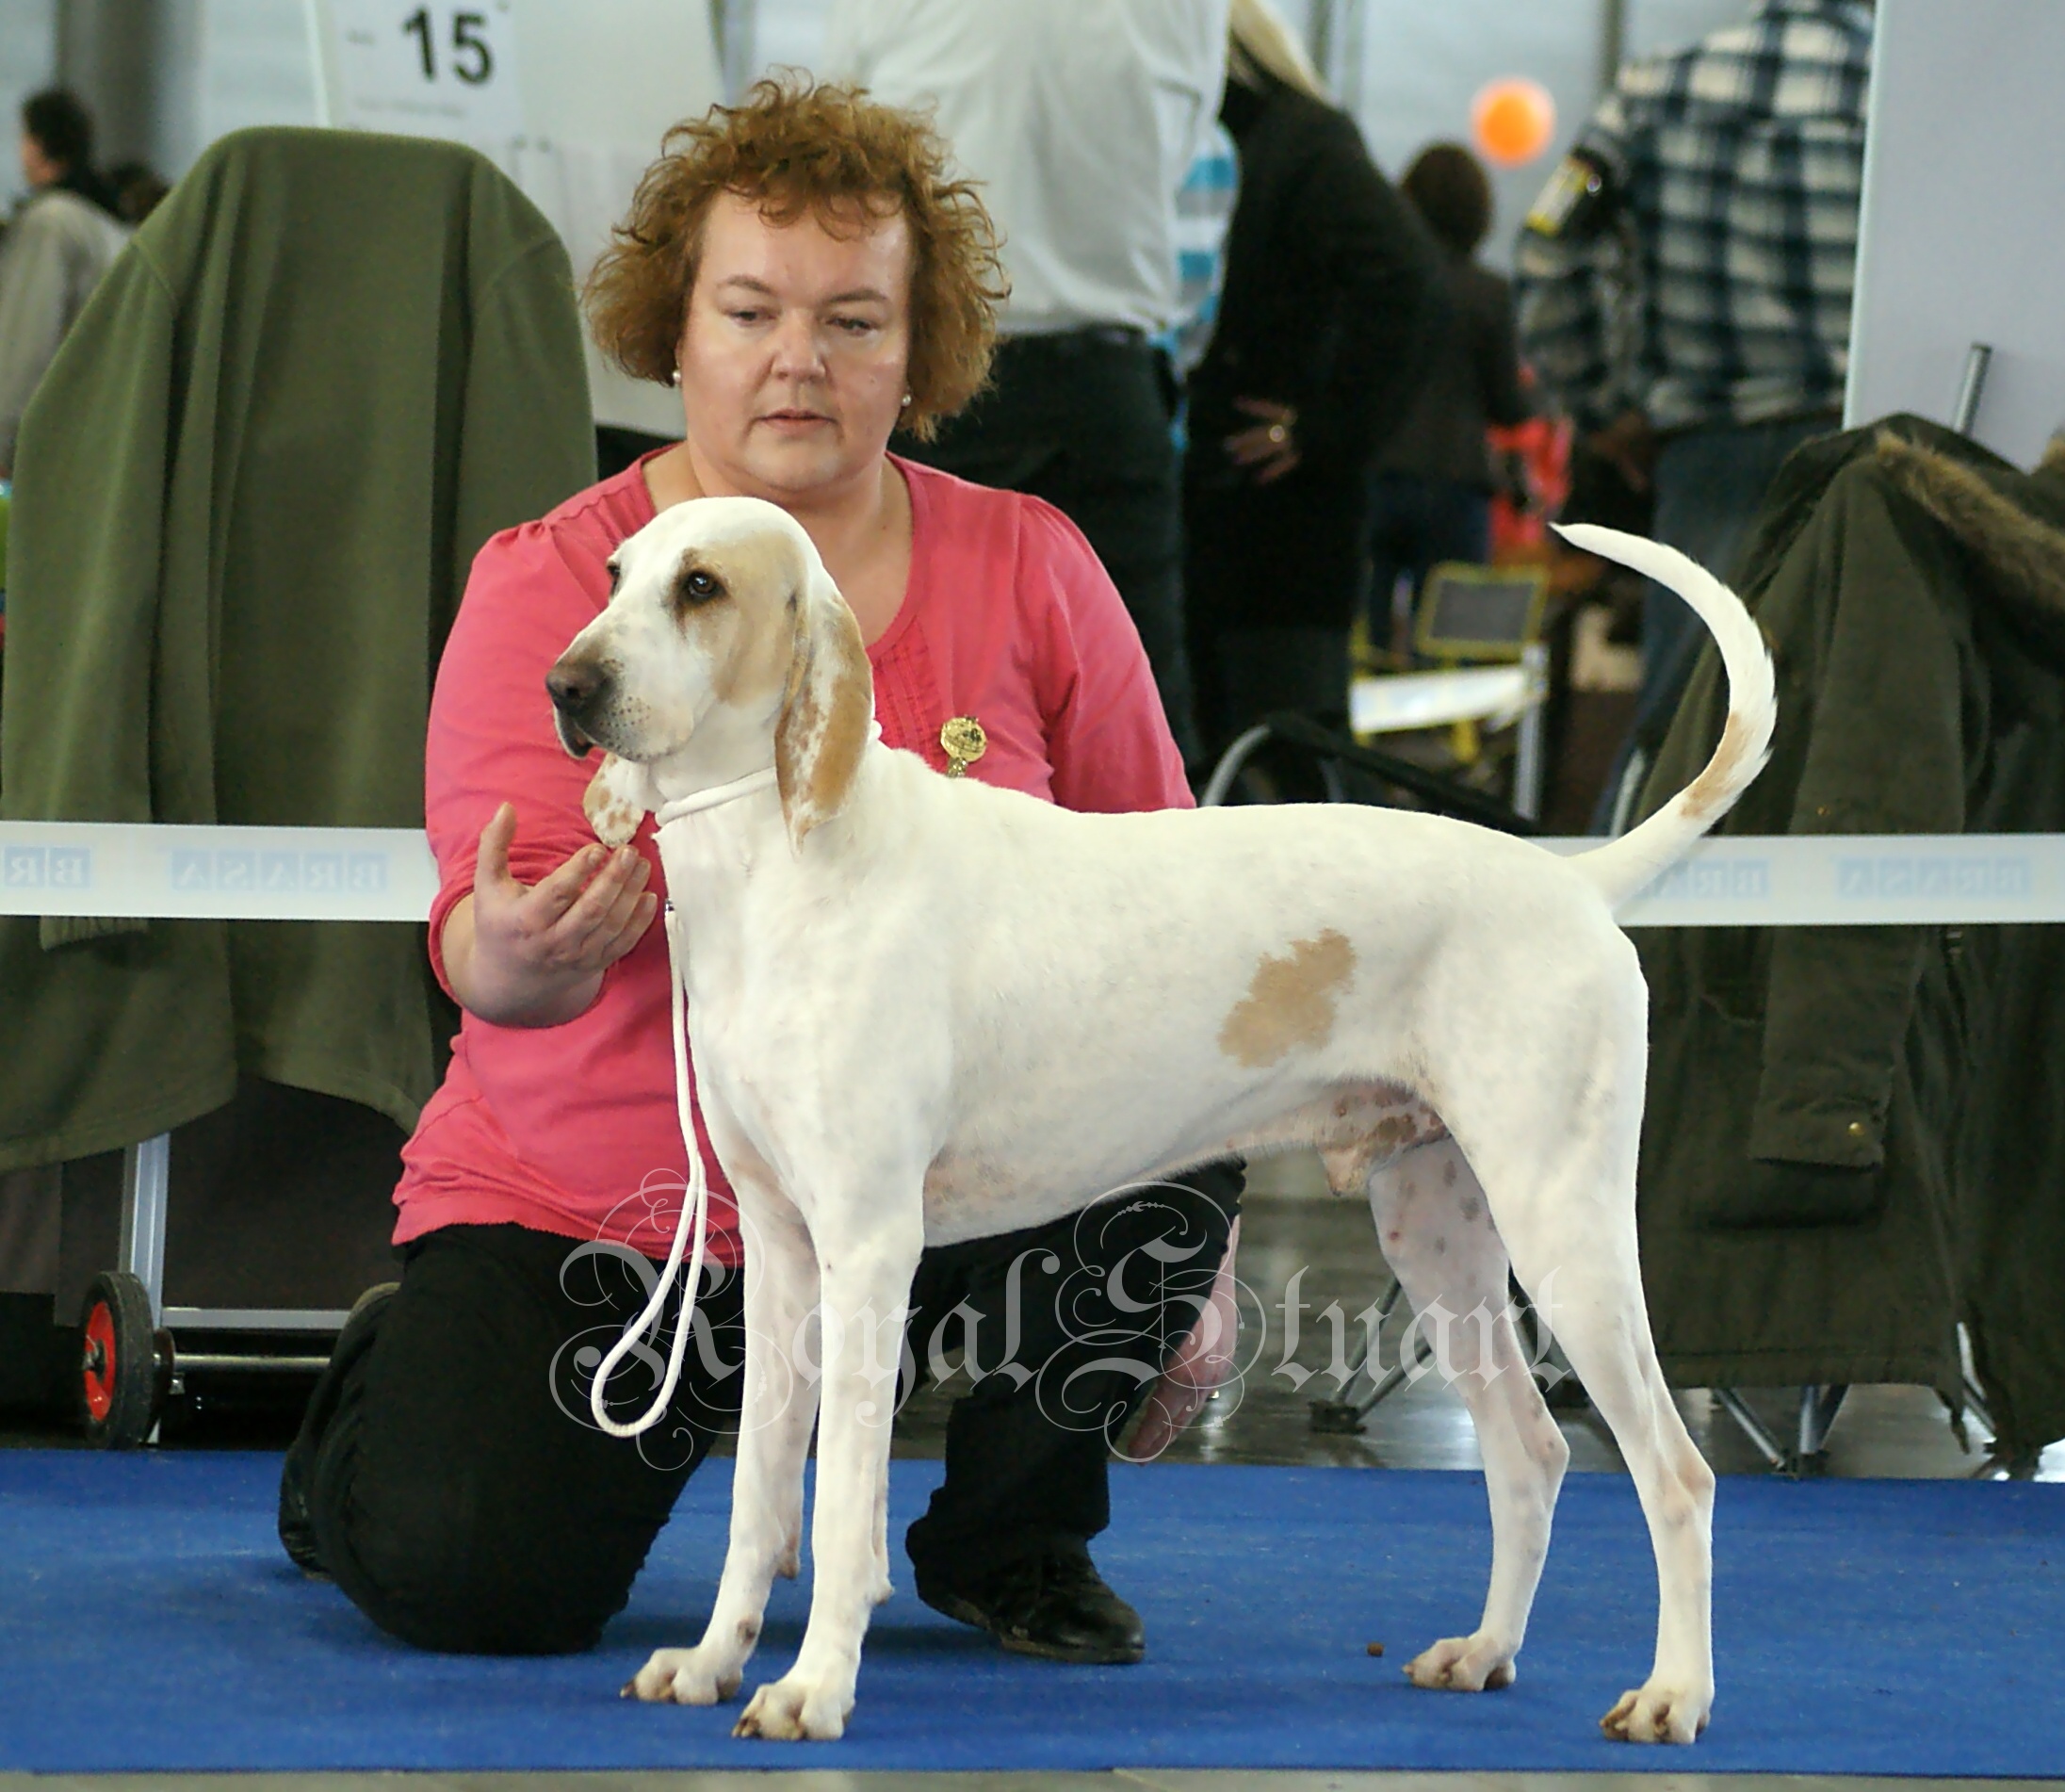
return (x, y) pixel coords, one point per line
(1718, 288)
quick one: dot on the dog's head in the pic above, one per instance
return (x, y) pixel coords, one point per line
(725, 644)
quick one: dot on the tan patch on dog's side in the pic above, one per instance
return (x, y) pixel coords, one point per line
(1290, 1002)
(1712, 786)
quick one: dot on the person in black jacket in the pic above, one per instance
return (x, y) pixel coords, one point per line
(1431, 497)
(1329, 277)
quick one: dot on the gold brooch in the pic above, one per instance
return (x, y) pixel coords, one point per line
(964, 740)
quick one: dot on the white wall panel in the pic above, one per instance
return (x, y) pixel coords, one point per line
(28, 60)
(1423, 64)
(1964, 218)
(1654, 26)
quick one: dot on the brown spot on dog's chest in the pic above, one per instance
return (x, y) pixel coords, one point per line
(1291, 1001)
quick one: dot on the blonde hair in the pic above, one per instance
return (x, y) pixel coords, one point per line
(1262, 47)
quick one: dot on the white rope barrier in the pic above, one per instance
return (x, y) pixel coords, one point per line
(312, 874)
(216, 873)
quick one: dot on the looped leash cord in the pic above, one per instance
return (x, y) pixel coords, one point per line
(696, 1199)
(695, 1202)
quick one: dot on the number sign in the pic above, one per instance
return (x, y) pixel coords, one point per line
(445, 69)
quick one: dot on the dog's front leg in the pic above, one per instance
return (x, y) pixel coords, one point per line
(865, 1272)
(778, 1409)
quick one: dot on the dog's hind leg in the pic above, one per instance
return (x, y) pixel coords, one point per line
(867, 1250)
(1436, 1230)
(778, 1409)
(1572, 1237)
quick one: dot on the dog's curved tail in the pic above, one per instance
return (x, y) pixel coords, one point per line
(1627, 865)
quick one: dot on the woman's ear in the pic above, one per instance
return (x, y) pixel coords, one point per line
(827, 706)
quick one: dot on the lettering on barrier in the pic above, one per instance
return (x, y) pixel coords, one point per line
(1898, 879)
(1732, 880)
(274, 874)
(47, 868)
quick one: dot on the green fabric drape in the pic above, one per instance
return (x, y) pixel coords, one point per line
(327, 369)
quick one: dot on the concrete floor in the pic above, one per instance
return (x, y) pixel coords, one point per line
(1290, 1225)
(1293, 1223)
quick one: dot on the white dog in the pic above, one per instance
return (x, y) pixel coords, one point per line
(926, 1010)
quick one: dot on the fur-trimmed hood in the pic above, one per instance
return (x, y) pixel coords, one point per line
(2013, 523)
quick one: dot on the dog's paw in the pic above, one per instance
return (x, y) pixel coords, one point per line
(1658, 1713)
(685, 1677)
(793, 1710)
(1463, 1664)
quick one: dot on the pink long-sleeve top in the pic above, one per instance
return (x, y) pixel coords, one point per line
(1008, 618)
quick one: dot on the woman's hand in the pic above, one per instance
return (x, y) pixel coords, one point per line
(1270, 447)
(532, 955)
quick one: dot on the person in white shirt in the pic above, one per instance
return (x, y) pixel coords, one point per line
(1081, 119)
(59, 245)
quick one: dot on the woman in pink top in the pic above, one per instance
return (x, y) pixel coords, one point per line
(806, 273)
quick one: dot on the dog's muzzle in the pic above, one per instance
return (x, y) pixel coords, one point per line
(580, 689)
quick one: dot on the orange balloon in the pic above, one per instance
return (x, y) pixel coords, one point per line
(1513, 121)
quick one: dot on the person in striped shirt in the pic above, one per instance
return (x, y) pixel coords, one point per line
(1685, 281)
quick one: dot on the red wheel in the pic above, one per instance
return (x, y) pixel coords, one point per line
(117, 1362)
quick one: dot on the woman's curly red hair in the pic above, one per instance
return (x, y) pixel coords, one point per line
(795, 147)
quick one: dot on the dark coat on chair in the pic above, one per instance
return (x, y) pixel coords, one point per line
(326, 370)
(1856, 1136)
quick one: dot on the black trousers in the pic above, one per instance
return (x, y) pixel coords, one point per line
(1082, 421)
(462, 1498)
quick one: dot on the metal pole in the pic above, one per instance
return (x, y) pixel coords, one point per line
(1972, 387)
(732, 22)
(1613, 42)
(1321, 35)
(1529, 749)
(1753, 1428)
(146, 1188)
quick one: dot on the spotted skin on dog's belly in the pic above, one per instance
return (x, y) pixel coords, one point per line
(1381, 1123)
(1291, 1001)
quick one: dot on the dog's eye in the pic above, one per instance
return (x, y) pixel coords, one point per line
(616, 578)
(700, 588)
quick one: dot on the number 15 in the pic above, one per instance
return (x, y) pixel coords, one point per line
(472, 61)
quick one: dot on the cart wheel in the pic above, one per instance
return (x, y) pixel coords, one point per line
(117, 1362)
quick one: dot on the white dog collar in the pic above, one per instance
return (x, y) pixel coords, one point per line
(697, 801)
(718, 794)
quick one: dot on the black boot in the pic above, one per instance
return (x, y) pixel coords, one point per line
(296, 1533)
(1054, 1605)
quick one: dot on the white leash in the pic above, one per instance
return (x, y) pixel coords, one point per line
(695, 1201)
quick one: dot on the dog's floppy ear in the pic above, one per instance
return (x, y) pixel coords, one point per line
(826, 706)
(618, 797)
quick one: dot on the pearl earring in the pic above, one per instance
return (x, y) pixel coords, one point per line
(675, 378)
(906, 400)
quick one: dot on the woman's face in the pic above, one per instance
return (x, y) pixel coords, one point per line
(36, 167)
(795, 350)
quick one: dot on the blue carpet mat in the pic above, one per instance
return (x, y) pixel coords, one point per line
(149, 1620)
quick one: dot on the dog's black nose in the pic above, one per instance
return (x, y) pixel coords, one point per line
(572, 684)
